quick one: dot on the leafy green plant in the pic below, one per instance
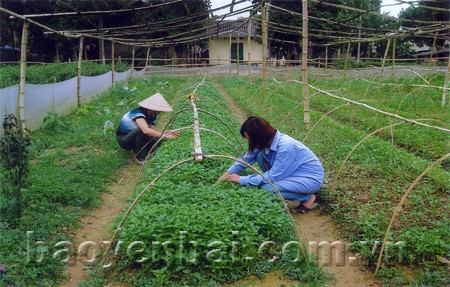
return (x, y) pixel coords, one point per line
(14, 166)
(52, 123)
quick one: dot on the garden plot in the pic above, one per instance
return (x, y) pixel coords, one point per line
(363, 193)
(186, 227)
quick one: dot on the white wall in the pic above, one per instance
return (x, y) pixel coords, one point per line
(220, 48)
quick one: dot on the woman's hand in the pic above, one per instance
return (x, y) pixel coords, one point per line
(233, 177)
(170, 135)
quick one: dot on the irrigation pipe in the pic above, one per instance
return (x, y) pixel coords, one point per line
(380, 111)
(399, 206)
(133, 204)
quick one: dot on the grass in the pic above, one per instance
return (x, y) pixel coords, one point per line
(53, 73)
(72, 161)
(378, 173)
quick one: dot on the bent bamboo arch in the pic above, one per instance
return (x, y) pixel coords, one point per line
(333, 186)
(399, 206)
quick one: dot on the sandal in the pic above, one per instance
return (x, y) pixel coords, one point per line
(303, 209)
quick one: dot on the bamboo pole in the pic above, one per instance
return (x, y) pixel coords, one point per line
(394, 44)
(102, 42)
(379, 111)
(444, 93)
(433, 48)
(305, 62)
(23, 70)
(402, 200)
(249, 61)
(264, 45)
(385, 56)
(112, 62)
(237, 52)
(146, 60)
(133, 52)
(347, 55)
(229, 51)
(80, 58)
(198, 154)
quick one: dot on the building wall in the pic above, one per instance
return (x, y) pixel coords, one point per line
(220, 48)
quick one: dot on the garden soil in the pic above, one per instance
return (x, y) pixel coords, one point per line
(313, 227)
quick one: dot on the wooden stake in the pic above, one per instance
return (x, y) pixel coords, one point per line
(249, 61)
(385, 56)
(305, 62)
(146, 60)
(326, 57)
(444, 94)
(237, 53)
(133, 52)
(264, 45)
(347, 54)
(80, 58)
(112, 62)
(433, 48)
(23, 70)
(229, 60)
(393, 58)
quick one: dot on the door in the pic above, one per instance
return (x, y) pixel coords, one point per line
(234, 52)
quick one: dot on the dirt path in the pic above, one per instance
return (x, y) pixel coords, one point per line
(96, 226)
(313, 228)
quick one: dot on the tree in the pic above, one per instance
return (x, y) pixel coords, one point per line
(427, 11)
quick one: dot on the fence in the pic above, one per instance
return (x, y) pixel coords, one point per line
(60, 98)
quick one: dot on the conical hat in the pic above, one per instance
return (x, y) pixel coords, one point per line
(156, 103)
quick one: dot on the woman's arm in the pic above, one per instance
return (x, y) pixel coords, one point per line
(150, 131)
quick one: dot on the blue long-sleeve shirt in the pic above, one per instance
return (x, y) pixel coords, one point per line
(294, 166)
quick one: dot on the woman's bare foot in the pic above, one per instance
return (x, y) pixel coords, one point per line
(309, 203)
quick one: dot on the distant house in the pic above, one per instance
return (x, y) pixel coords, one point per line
(219, 42)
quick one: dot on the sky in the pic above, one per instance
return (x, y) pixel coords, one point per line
(392, 10)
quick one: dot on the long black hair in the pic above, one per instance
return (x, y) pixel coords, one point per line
(260, 133)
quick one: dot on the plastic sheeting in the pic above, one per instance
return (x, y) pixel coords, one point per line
(60, 98)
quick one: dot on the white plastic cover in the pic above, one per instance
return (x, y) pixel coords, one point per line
(60, 98)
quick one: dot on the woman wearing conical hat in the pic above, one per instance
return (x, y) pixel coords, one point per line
(137, 131)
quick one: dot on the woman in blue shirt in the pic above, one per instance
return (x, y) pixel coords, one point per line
(137, 131)
(290, 165)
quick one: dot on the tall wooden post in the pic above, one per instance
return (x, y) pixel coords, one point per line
(101, 42)
(229, 60)
(305, 62)
(133, 52)
(347, 55)
(433, 48)
(385, 56)
(23, 70)
(249, 61)
(80, 58)
(237, 53)
(112, 62)
(326, 57)
(264, 45)
(146, 60)
(444, 94)
(393, 58)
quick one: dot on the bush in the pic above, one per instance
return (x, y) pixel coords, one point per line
(14, 166)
